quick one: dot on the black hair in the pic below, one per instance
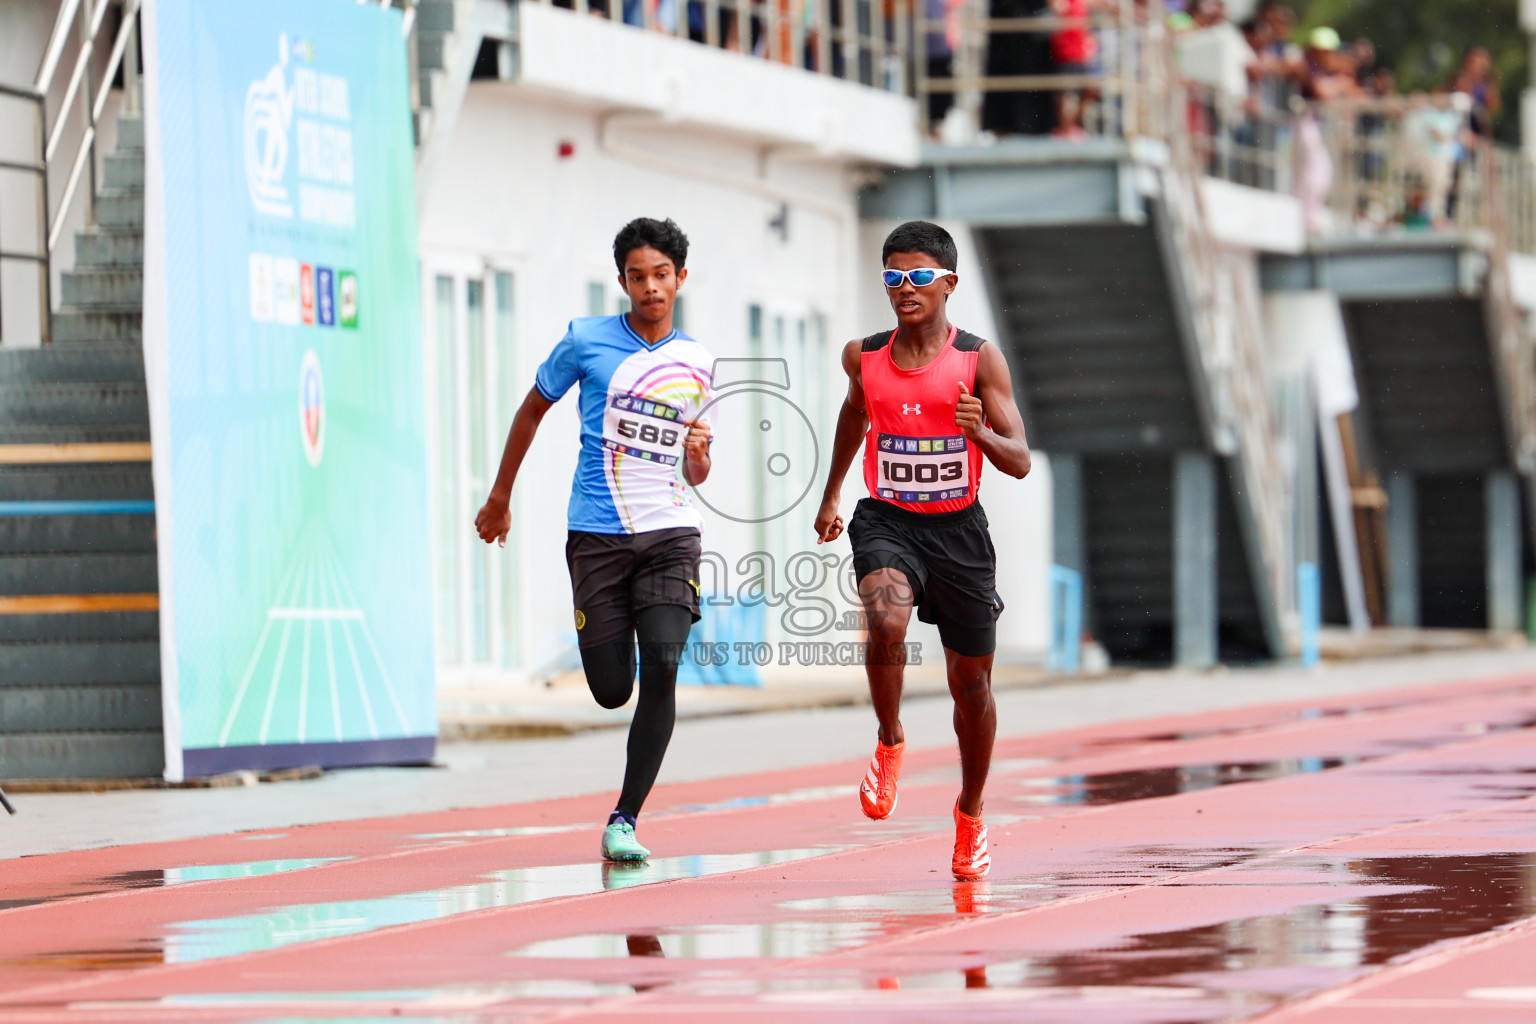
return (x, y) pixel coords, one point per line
(924, 237)
(662, 235)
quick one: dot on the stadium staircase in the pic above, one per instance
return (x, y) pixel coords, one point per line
(1436, 418)
(1107, 379)
(1442, 359)
(79, 632)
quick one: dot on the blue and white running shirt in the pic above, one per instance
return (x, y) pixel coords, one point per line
(635, 398)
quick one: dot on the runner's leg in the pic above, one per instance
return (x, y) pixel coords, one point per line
(887, 598)
(610, 671)
(662, 631)
(970, 683)
(601, 567)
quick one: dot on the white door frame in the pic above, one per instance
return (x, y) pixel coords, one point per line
(469, 481)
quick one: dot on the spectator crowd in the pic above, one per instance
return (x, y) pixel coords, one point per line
(1270, 87)
(1263, 94)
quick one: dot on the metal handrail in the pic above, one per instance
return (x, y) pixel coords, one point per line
(1232, 364)
(869, 41)
(1381, 168)
(87, 17)
(1513, 348)
(1121, 108)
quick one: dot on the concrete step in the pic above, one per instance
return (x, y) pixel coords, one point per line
(80, 627)
(109, 247)
(123, 171)
(424, 90)
(30, 709)
(434, 16)
(78, 574)
(136, 753)
(78, 481)
(75, 433)
(92, 326)
(59, 364)
(63, 534)
(112, 288)
(432, 49)
(73, 402)
(120, 208)
(130, 134)
(70, 663)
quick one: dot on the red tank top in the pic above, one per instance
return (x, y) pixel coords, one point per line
(914, 455)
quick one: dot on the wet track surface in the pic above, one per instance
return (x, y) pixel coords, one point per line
(1372, 859)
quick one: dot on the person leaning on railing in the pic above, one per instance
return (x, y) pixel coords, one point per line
(1432, 132)
(939, 52)
(1073, 49)
(1477, 78)
(1011, 111)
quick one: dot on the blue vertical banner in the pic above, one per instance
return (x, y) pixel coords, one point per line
(283, 349)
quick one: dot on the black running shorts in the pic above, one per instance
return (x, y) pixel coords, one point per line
(948, 559)
(613, 576)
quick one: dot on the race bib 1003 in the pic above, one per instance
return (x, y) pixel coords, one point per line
(921, 469)
(643, 429)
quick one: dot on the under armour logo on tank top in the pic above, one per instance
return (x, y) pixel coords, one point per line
(915, 457)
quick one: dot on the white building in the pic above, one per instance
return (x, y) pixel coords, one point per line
(761, 164)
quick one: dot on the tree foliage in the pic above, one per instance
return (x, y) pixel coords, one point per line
(1423, 40)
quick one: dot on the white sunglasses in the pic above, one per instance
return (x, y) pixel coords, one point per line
(922, 277)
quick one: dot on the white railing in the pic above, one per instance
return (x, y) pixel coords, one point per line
(867, 41)
(86, 92)
(1508, 184)
(1119, 95)
(1404, 164)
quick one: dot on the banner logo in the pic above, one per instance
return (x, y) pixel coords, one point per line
(312, 408)
(268, 114)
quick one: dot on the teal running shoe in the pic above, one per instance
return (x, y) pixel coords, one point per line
(619, 843)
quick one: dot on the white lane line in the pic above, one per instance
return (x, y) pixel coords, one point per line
(261, 643)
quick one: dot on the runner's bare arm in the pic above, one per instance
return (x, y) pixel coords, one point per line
(495, 516)
(852, 424)
(696, 464)
(991, 418)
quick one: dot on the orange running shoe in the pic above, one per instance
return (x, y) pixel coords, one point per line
(971, 858)
(878, 793)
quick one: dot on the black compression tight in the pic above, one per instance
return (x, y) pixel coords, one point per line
(662, 632)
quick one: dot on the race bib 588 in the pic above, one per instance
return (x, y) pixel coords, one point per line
(639, 427)
(922, 469)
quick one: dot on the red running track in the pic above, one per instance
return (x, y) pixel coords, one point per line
(1370, 859)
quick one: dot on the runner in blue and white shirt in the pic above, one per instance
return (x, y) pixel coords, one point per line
(634, 544)
(637, 398)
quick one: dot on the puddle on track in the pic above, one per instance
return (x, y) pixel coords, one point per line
(805, 927)
(735, 803)
(1149, 783)
(403, 1002)
(794, 796)
(1220, 972)
(194, 941)
(203, 940)
(1228, 970)
(160, 877)
(1213, 973)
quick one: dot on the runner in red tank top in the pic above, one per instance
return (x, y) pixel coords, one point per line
(926, 401)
